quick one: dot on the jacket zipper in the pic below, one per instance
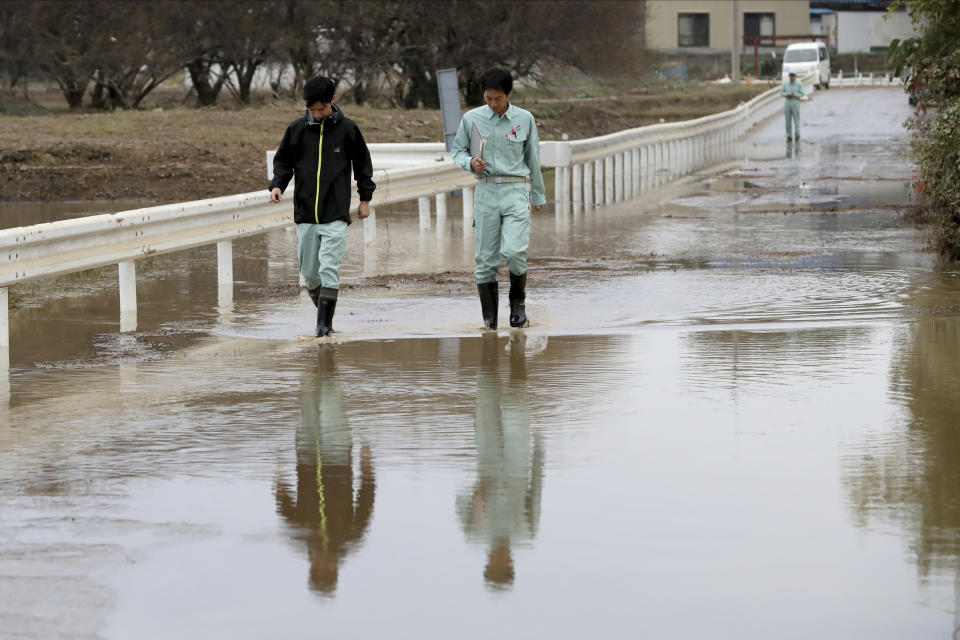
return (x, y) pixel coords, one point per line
(316, 198)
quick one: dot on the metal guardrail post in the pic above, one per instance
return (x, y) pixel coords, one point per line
(635, 172)
(441, 205)
(618, 182)
(370, 229)
(424, 207)
(128, 295)
(577, 185)
(441, 214)
(467, 208)
(560, 186)
(598, 181)
(4, 318)
(588, 184)
(225, 273)
(609, 177)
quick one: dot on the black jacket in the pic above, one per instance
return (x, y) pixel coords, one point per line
(299, 155)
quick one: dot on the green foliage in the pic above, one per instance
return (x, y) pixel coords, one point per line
(932, 61)
(932, 58)
(937, 154)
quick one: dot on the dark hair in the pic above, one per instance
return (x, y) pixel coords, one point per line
(318, 89)
(497, 79)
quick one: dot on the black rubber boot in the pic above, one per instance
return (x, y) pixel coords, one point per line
(326, 305)
(315, 296)
(518, 296)
(489, 300)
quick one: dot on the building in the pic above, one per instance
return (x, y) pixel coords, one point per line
(859, 26)
(705, 27)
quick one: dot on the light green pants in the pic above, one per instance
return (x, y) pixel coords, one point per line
(791, 112)
(501, 214)
(320, 251)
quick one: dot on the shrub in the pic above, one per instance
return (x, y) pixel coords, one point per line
(936, 148)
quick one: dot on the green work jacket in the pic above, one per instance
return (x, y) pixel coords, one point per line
(512, 146)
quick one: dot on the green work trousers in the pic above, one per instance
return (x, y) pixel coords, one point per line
(791, 112)
(320, 251)
(501, 214)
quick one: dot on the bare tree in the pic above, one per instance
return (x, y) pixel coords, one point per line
(140, 47)
(63, 37)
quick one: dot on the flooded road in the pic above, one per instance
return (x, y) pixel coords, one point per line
(734, 416)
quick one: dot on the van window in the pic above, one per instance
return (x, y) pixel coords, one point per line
(823, 53)
(800, 55)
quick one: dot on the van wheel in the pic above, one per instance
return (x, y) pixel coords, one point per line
(817, 87)
(826, 85)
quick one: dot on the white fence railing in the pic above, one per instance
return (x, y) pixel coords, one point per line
(598, 170)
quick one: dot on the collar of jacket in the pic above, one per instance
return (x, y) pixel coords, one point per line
(508, 114)
(331, 119)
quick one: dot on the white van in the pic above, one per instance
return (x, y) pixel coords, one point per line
(805, 57)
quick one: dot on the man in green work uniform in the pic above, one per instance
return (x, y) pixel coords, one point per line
(792, 91)
(508, 178)
(319, 149)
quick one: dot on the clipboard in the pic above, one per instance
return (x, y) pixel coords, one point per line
(477, 142)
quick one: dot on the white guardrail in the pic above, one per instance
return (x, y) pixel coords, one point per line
(597, 171)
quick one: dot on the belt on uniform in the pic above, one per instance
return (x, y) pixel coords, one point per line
(502, 179)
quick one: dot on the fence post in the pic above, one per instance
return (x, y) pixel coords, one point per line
(635, 172)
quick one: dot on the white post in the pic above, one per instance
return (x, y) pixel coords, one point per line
(128, 295)
(441, 206)
(370, 229)
(424, 203)
(588, 183)
(608, 177)
(618, 177)
(643, 167)
(663, 150)
(577, 179)
(467, 209)
(441, 214)
(370, 257)
(635, 172)
(561, 186)
(225, 273)
(557, 188)
(4, 318)
(598, 182)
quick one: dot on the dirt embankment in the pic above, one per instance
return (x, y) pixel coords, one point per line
(180, 154)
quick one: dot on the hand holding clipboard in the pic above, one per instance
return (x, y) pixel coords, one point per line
(477, 145)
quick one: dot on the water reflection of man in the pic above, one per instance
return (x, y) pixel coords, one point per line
(503, 507)
(326, 513)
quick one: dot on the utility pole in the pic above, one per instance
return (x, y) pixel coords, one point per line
(735, 46)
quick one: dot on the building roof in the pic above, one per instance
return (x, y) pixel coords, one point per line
(851, 5)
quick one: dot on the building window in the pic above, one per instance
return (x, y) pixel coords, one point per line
(758, 24)
(693, 30)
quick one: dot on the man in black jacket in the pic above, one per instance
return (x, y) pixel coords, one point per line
(319, 150)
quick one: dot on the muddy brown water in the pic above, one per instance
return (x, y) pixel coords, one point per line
(734, 416)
